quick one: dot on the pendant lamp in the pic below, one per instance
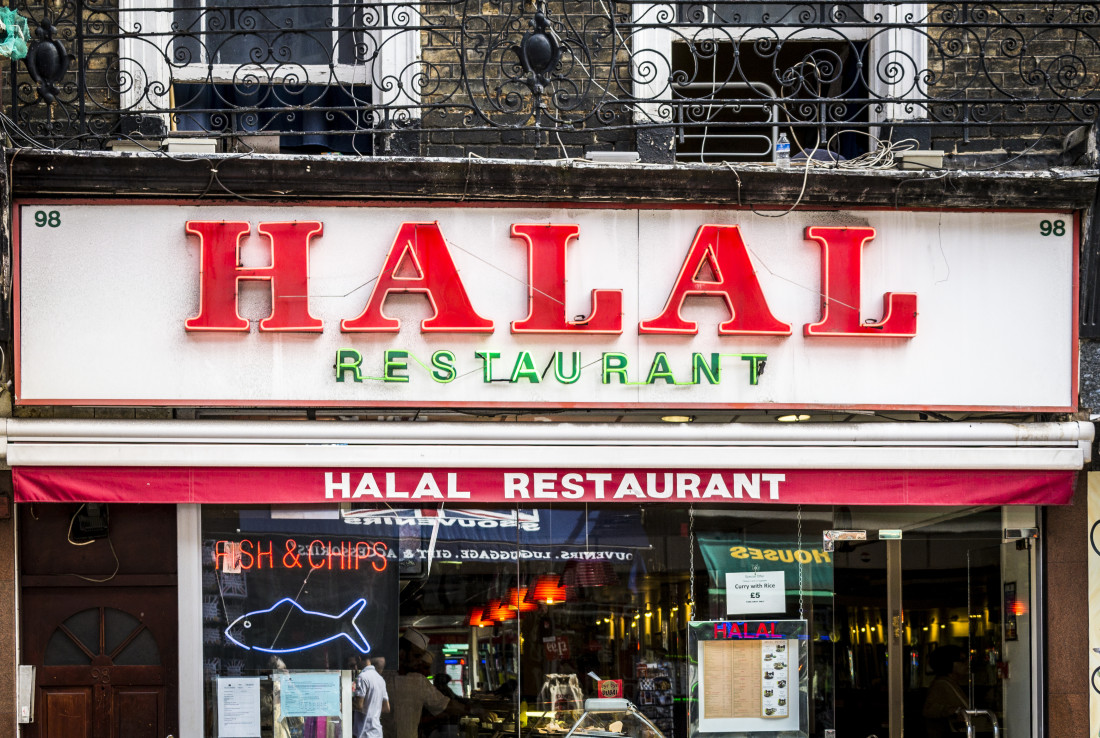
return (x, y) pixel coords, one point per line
(477, 618)
(546, 590)
(588, 573)
(517, 600)
(498, 612)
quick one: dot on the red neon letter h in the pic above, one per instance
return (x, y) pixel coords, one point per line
(219, 274)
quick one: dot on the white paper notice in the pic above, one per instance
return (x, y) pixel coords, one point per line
(238, 707)
(775, 684)
(755, 592)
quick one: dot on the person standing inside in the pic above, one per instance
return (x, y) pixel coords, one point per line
(371, 687)
(356, 664)
(946, 700)
(410, 691)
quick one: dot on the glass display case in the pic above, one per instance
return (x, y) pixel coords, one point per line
(560, 703)
(749, 676)
(612, 718)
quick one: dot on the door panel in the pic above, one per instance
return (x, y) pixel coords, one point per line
(97, 643)
(861, 639)
(95, 647)
(138, 712)
(66, 712)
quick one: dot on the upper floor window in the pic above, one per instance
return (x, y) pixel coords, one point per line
(317, 74)
(737, 74)
(301, 39)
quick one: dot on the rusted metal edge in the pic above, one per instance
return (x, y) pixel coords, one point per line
(287, 178)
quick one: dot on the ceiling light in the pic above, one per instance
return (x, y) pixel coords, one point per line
(588, 573)
(792, 418)
(545, 589)
(498, 612)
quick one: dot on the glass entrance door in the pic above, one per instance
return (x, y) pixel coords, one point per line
(932, 629)
(861, 633)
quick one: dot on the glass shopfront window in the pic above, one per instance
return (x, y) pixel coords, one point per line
(516, 616)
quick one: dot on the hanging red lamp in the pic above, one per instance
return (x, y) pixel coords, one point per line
(546, 590)
(588, 573)
(477, 618)
(498, 612)
(517, 600)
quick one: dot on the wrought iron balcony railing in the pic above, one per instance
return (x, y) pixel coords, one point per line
(698, 80)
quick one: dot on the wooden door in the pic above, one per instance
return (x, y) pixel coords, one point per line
(104, 644)
(103, 672)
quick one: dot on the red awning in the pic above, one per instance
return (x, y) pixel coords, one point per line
(532, 487)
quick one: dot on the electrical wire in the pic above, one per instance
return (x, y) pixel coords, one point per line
(879, 156)
(69, 536)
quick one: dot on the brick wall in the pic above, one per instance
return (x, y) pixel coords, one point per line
(1022, 51)
(495, 96)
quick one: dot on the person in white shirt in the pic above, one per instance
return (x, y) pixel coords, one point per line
(410, 691)
(371, 688)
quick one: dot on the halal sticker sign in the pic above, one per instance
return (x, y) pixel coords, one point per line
(610, 688)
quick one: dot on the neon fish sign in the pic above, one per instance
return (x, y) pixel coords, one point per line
(286, 627)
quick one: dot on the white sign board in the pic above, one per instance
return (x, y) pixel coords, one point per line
(238, 707)
(688, 308)
(755, 593)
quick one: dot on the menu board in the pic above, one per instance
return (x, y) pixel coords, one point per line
(745, 679)
(748, 678)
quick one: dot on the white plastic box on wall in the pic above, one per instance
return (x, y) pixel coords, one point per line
(921, 159)
(191, 145)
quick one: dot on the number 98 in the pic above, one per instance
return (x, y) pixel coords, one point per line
(43, 218)
(1055, 228)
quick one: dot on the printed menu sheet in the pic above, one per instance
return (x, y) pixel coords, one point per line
(238, 707)
(774, 684)
(746, 679)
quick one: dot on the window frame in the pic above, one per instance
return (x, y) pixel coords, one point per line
(653, 46)
(147, 39)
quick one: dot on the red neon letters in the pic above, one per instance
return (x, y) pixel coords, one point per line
(727, 630)
(720, 251)
(841, 275)
(717, 265)
(420, 249)
(249, 554)
(219, 274)
(546, 286)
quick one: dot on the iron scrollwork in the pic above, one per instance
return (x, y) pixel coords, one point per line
(466, 72)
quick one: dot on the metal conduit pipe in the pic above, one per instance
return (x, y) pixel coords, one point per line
(1040, 446)
(1069, 434)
